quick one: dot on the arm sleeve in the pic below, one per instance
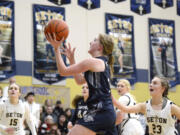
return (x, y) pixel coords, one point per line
(29, 120)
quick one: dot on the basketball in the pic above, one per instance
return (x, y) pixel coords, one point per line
(59, 27)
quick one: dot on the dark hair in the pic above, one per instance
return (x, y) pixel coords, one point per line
(58, 102)
(30, 94)
(165, 84)
(108, 46)
(76, 100)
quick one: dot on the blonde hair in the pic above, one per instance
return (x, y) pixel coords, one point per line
(108, 46)
(126, 82)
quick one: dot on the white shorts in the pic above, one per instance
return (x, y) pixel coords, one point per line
(132, 127)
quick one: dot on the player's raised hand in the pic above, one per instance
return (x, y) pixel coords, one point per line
(69, 52)
(52, 40)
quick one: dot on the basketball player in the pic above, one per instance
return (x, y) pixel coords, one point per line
(129, 120)
(101, 115)
(13, 112)
(79, 103)
(159, 111)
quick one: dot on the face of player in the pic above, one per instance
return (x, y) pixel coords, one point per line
(85, 90)
(122, 88)
(156, 88)
(94, 46)
(14, 91)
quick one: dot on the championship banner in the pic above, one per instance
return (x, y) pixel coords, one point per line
(141, 7)
(60, 2)
(45, 68)
(121, 28)
(89, 4)
(178, 7)
(51, 93)
(162, 50)
(7, 51)
(116, 1)
(164, 3)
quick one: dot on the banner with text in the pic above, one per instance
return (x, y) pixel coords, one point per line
(45, 68)
(7, 48)
(163, 50)
(121, 28)
(51, 93)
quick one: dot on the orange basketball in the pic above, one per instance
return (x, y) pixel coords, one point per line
(59, 27)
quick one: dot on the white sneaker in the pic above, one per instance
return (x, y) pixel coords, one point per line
(120, 70)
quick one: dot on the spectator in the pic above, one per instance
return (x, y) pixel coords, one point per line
(68, 114)
(62, 124)
(34, 108)
(58, 110)
(46, 126)
(49, 111)
(54, 130)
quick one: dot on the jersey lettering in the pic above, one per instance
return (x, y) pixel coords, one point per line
(157, 129)
(156, 119)
(14, 114)
(13, 122)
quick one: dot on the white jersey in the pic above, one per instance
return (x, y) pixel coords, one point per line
(13, 116)
(160, 122)
(128, 100)
(130, 124)
(34, 109)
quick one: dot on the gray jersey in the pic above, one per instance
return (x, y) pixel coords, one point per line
(13, 116)
(160, 122)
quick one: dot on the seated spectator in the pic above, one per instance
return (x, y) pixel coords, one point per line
(45, 127)
(49, 111)
(54, 130)
(68, 114)
(62, 124)
(58, 110)
(47, 103)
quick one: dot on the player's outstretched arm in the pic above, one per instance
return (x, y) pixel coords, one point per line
(69, 52)
(138, 108)
(92, 64)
